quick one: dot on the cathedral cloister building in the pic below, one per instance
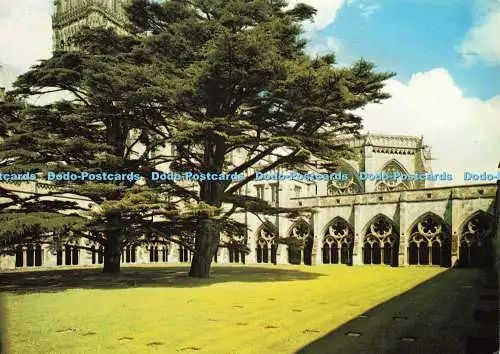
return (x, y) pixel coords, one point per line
(358, 221)
(354, 222)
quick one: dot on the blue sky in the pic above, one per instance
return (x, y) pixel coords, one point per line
(446, 54)
(408, 36)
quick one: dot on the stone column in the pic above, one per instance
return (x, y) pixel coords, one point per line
(48, 260)
(173, 253)
(142, 255)
(224, 256)
(368, 167)
(281, 254)
(253, 225)
(404, 224)
(359, 223)
(456, 218)
(318, 238)
(85, 257)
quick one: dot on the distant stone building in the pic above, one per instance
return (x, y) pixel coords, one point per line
(70, 16)
(356, 221)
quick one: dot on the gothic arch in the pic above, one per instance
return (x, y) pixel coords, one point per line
(300, 246)
(300, 229)
(381, 241)
(154, 253)
(93, 254)
(266, 243)
(236, 253)
(429, 241)
(19, 256)
(38, 255)
(366, 228)
(71, 254)
(475, 240)
(396, 163)
(445, 225)
(389, 185)
(129, 253)
(34, 255)
(338, 242)
(185, 253)
(351, 186)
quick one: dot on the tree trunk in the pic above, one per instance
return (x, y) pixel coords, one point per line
(208, 234)
(112, 246)
(207, 241)
(112, 254)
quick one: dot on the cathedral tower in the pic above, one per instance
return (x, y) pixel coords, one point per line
(72, 15)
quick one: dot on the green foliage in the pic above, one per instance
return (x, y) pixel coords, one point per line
(19, 227)
(208, 77)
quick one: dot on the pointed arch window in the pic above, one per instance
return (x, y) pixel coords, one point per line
(475, 241)
(129, 254)
(30, 256)
(393, 180)
(381, 242)
(266, 249)
(300, 243)
(184, 254)
(430, 242)
(19, 256)
(236, 254)
(338, 243)
(38, 256)
(351, 185)
(154, 254)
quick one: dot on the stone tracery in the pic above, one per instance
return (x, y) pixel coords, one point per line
(350, 186)
(234, 248)
(430, 242)
(392, 184)
(338, 243)
(266, 243)
(300, 243)
(475, 241)
(381, 242)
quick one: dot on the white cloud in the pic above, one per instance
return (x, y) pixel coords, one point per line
(326, 45)
(325, 15)
(366, 7)
(26, 31)
(463, 133)
(481, 41)
(368, 10)
(327, 12)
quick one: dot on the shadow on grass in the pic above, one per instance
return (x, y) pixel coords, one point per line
(130, 277)
(454, 312)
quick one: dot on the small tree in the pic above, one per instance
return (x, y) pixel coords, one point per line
(25, 218)
(96, 129)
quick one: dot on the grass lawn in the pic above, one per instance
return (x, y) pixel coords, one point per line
(250, 309)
